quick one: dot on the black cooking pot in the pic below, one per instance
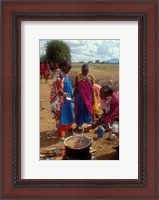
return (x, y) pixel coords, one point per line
(77, 147)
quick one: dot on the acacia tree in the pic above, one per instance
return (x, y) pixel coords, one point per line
(97, 61)
(57, 51)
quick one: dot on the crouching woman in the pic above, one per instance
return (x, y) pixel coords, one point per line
(111, 109)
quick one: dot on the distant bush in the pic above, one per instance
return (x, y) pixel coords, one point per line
(58, 51)
(97, 61)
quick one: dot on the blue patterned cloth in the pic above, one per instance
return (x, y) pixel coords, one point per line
(83, 115)
(67, 111)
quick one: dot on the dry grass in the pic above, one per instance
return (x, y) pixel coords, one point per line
(104, 73)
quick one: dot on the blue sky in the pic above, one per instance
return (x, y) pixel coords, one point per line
(89, 50)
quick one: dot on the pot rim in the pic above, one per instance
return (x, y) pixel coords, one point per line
(90, 140)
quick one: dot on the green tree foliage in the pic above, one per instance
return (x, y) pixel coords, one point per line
(97, 61)
(43, 58)
(58, 51)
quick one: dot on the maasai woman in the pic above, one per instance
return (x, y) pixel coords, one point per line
(46, 70)
(60, 105)
(41, 70)
(102, 104)
(97, 104)
(112, 103)
(111, 109)
(51, 70)
(83, 94)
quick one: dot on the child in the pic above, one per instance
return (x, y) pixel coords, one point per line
(61, 108)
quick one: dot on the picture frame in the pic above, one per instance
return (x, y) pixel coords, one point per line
(146, 13)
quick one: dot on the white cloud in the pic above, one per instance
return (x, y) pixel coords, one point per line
(89, 50)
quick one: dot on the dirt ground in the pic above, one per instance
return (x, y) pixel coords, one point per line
(103, 149)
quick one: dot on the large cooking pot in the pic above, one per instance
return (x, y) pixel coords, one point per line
(77, 147)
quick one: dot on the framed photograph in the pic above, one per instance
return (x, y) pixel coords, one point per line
(117, 43)
(87, 136)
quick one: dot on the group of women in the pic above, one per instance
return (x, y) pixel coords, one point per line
(44, 70)
(81, 105)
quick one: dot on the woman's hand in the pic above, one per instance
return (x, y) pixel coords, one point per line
(65, 95)
(73, 100)
(94, 125)
(60, 92)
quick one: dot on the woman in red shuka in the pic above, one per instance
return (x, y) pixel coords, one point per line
(46, 70)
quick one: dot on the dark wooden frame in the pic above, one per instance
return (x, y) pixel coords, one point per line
(145, 187)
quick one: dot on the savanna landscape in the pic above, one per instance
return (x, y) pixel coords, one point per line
(101, 149)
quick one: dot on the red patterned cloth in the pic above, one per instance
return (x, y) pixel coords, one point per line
(41, 68)
(46, 70)
(56, 66)
(62, 128)
(113, 109)
(56, 101)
